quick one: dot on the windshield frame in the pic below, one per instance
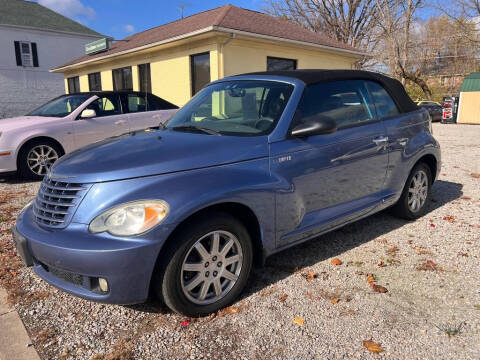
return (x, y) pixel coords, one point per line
(86, 95)
(274, 79)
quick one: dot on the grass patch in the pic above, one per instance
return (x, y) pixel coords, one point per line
(450, 329)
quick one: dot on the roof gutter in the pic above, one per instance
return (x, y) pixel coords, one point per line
(206, 30)
(129, 51)
(297, 42)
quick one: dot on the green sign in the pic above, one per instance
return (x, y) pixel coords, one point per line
(96, 46)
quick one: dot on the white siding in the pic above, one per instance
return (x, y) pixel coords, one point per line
(24, 88)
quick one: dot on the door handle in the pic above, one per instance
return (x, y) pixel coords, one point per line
(120, 122)
(381, 140)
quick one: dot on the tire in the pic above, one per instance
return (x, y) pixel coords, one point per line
(405, 208)
(48, 152)
(173, 277)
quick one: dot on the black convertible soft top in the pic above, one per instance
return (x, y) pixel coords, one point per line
(393, 87)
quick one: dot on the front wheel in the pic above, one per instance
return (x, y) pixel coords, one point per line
(415, 197)
(209, 266)
(36, 158)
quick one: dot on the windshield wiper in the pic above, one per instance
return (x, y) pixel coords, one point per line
(195, 128)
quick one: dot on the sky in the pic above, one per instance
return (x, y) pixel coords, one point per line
(121, 18)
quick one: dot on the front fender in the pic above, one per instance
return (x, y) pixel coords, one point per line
(247, 183)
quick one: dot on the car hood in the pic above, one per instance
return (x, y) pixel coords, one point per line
(147, 153)
(20, 122)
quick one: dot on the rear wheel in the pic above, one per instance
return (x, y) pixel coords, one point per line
(415, 197)
(209, 266)
(37, 157)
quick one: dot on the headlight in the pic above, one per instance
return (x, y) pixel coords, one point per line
(131, 218)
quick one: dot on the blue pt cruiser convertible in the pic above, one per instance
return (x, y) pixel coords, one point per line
(252, 165)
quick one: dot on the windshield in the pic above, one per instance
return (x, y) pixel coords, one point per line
(237, 108)
(61, 106)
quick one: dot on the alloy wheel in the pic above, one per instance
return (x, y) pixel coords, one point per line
(211, 267)
(41, 158)
(418, 191)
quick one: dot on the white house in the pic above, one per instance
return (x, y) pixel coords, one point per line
(34, 40)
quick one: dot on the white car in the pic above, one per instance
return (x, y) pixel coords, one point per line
(31, 144)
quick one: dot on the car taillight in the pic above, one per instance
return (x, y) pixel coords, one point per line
(447, 105)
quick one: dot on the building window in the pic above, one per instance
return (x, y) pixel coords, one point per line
(144, 78)
(95, 81)
(122, 78)
(274, 64)
(200, 71)
(73, 85)
(26, 53)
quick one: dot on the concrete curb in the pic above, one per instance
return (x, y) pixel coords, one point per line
(15, 344)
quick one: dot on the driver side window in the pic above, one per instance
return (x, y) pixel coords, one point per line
(105, 106)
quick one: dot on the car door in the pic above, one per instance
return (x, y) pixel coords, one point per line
(109, 121)
(332, 178)
(142, 112)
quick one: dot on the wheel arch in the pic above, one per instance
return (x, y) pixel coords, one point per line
(431, 161)
(37, 138)
(236, 209)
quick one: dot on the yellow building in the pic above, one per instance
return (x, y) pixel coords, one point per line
(177, 59)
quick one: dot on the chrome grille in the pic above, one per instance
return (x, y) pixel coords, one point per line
(56, 202)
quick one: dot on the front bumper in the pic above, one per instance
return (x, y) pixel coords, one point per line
(7, 162)
(73, 259)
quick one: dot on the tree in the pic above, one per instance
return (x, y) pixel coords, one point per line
(352, 22)
(396, 20)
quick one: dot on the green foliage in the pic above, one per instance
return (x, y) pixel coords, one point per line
(416, 93)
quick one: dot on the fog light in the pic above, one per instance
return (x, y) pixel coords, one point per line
(102, 283)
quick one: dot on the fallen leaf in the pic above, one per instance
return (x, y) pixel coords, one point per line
(185, 323)
(378, 288)
(310, 276)
(337, 261)
(372, 346)
(392, 251)
(298, 320)
(449, 218)
(466, 198)
(283, 298)
(429, 265)
(371, 279)
(421, 250)
(463, 254)
(475, 175)
(393, 262)
(334, 301)
(432, 225)
(231, 310)
(381, 264)
(477, 307)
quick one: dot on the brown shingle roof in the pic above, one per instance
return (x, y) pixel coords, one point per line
(224, 17)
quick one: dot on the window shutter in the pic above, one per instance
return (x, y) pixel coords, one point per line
(18, 55)
(34, 54)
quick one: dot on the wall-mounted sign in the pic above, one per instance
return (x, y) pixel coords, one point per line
(96, 46)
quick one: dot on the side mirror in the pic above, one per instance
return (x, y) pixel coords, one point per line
(315, 125)
(88, 114)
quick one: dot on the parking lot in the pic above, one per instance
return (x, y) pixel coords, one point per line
(410, 287)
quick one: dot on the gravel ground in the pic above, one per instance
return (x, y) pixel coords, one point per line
(430, 268)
